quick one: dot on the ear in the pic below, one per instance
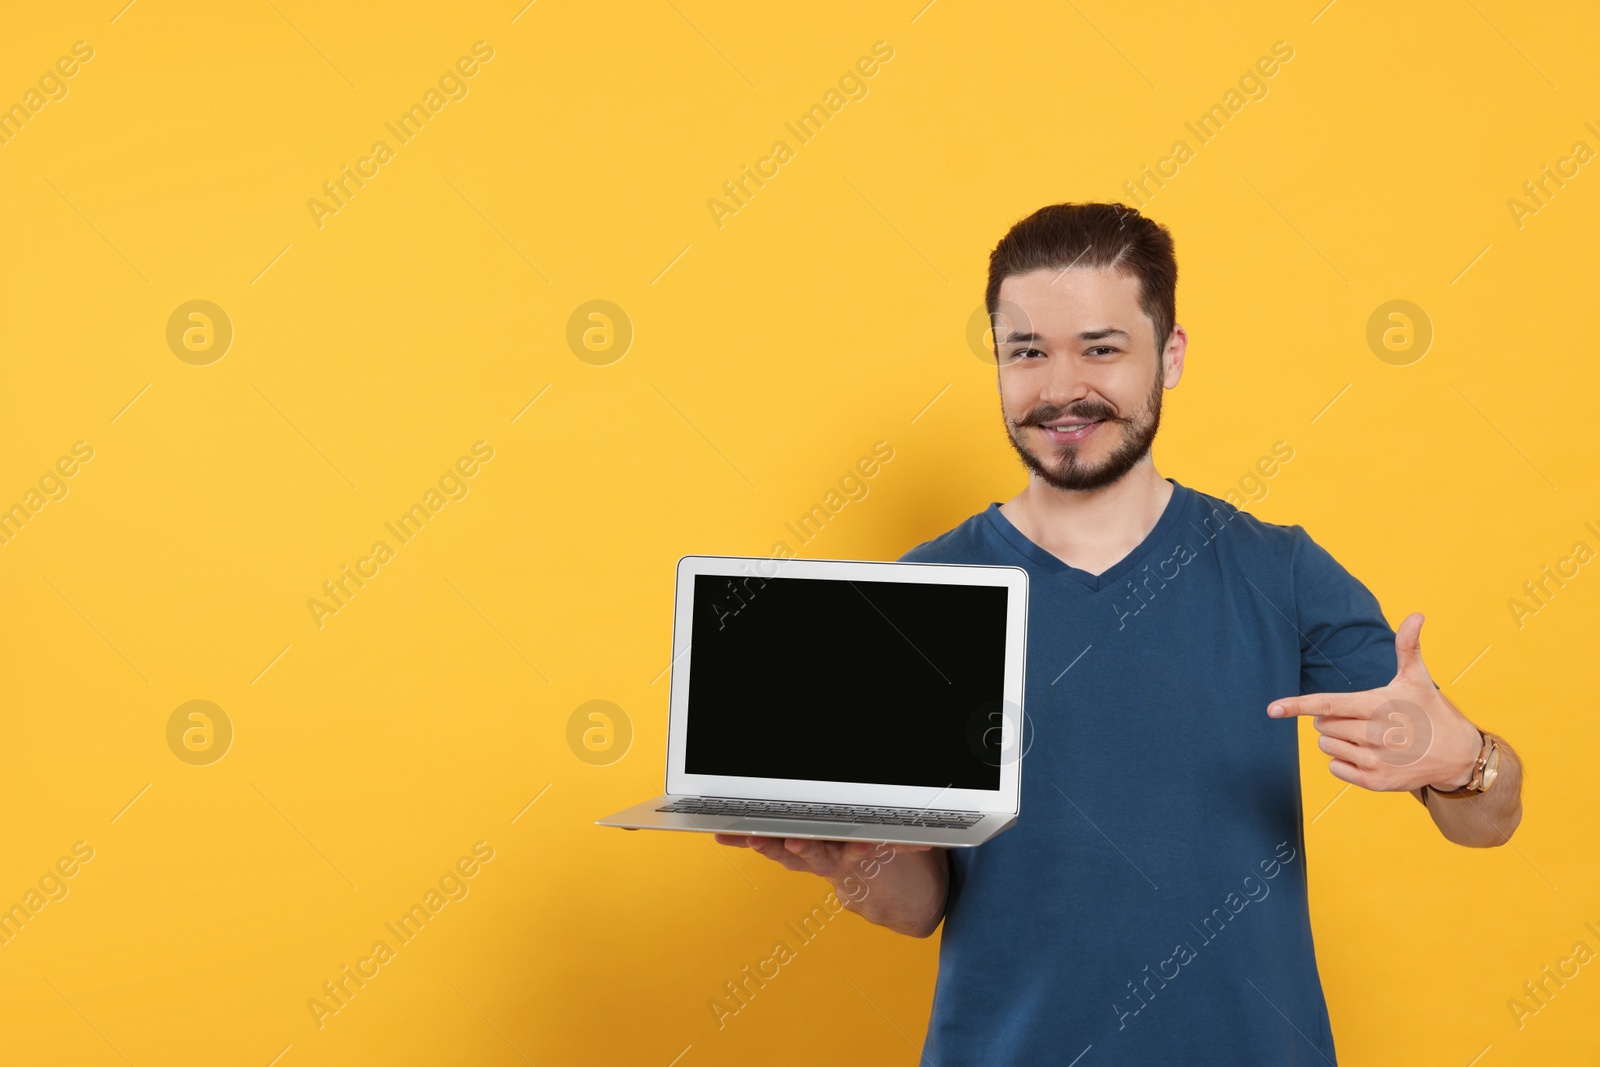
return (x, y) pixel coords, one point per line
(1177, 346)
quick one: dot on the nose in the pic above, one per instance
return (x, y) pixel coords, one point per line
(1064, 384)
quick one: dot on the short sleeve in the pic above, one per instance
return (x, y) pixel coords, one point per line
(1346, 645)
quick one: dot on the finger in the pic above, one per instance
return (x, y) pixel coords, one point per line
(1349, 772)
(818, 855)
(736, 840)
(789, 862)
(1408, 647)
(1353, 730)
(830, 858)
(1349, 753)
(772, 848)
(1335, 705)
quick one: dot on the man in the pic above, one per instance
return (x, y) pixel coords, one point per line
(1150, 903)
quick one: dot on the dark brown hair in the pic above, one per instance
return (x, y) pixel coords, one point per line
(1093, 237)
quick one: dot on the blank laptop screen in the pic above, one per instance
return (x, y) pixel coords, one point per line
(842, 680)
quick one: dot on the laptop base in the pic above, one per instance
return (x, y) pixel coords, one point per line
(646, 817)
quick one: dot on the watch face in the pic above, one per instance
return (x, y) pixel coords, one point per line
(1492, 768)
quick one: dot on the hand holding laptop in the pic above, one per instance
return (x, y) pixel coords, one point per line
(827, 858)
(902, 887)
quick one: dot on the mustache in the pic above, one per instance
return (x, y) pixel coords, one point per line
(1084, 413)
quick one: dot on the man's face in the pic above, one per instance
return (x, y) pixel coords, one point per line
(1080, 384)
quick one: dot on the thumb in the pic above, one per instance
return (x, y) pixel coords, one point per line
(1408, 648)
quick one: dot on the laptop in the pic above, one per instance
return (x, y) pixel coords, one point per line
(843, 700)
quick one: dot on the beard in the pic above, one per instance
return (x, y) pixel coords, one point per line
(1063, 469)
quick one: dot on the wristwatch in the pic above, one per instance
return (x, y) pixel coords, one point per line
(1484, 771)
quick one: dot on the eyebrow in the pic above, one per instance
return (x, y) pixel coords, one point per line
(1086, 335)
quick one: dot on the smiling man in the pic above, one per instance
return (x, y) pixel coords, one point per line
(1150, 904)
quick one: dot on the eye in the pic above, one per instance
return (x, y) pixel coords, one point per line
(1108, 349)
(1021, 352)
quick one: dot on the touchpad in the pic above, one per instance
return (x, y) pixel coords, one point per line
(796, 827)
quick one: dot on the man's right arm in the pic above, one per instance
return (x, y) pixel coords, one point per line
(902, 887)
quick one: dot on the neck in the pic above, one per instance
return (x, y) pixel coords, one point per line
(1092, 525)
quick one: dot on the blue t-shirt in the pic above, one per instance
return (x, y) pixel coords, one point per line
(1149, 906)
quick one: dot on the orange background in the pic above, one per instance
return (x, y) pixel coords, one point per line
(373, 346)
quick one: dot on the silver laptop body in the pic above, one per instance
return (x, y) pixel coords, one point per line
(843, 699)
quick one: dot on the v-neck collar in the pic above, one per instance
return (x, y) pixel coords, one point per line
(1053, 564)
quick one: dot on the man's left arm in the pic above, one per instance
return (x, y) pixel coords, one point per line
(1408, 735)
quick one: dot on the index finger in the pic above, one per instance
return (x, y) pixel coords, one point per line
(1329, 705)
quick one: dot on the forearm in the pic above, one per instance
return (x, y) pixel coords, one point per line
(907, 894)
(1488, 819)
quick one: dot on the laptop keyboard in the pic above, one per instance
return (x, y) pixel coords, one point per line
(788, 809)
